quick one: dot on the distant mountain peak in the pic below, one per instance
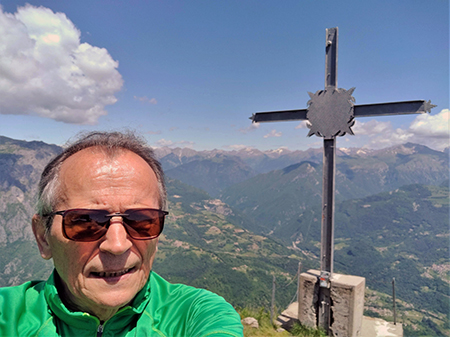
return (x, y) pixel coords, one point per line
(280, 150)
(249, 151)
(352, 151)
(293, 167)
(408, 149)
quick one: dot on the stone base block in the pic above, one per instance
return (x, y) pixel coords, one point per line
(347, 302)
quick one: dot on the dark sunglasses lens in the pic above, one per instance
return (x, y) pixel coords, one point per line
(144, 223)
(85, 224)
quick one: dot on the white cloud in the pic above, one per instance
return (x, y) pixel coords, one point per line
(302, 125)
(145, 99)
(426, 129)
(162, 142)
(371, 128)
(186, 143)
(168, 143)
(436, 126)
(252, 127)
(273, 133)
(46, 71)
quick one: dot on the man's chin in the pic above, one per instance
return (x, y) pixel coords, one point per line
(105, 304)
(114, 291)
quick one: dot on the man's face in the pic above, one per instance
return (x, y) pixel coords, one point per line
(102, 276)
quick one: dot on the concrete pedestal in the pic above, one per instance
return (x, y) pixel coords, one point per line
(347, 302)
(371, 327)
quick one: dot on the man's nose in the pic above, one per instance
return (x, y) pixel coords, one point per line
(116, 239)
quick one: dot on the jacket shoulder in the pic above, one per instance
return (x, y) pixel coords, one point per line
(23, 309)
(181, 310)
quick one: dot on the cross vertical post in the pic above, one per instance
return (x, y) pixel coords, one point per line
(328, 187)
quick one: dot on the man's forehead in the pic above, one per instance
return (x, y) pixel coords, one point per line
(93, 176)
(102, 161)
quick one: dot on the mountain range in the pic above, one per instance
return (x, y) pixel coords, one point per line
(239, 217)
(368, 171)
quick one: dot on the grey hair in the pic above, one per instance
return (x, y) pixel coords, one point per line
(111, 143)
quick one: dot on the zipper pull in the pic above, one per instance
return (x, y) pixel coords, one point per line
(100, 330)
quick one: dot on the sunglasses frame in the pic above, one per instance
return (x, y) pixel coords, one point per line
(111, 215)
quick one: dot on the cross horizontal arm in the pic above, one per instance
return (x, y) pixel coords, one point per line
(279, 116)
(395, 108)
(363, 110)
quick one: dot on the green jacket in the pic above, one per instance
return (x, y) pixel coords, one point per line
(159, 309)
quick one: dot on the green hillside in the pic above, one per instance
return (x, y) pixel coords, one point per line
(275, 198)
(402, 234)
(205, 245)
(212, 174)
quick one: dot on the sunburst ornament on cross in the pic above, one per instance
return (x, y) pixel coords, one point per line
(330, 112)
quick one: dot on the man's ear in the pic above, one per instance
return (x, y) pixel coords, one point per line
(38, 225)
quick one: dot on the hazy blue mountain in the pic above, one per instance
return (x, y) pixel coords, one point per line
(274, 198)
(360, 172)
(171, 158)
(259, 161)
(212, 174)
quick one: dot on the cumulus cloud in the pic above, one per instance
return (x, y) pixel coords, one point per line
(186, 143)
(163, 142)
(436, 126)
(371, 128)
(302, 125)
(145, 99)
(46, 71)
(252, 127)
(426, 129)
(273, 133)
(168, 143)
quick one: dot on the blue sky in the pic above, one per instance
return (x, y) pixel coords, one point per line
(191, 73)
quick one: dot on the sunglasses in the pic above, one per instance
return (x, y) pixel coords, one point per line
(88, 225)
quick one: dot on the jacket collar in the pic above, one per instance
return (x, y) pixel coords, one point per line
(82, 319)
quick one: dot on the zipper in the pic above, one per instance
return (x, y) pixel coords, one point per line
(100, 330)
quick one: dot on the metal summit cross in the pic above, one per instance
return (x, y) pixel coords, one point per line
(331, 113)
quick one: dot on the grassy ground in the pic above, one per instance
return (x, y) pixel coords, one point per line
(267, 329)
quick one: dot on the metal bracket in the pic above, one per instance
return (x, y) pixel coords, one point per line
(324, 279)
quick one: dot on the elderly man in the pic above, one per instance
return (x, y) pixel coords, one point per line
(101, 208)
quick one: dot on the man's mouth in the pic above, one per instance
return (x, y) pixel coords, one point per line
(104, 274)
